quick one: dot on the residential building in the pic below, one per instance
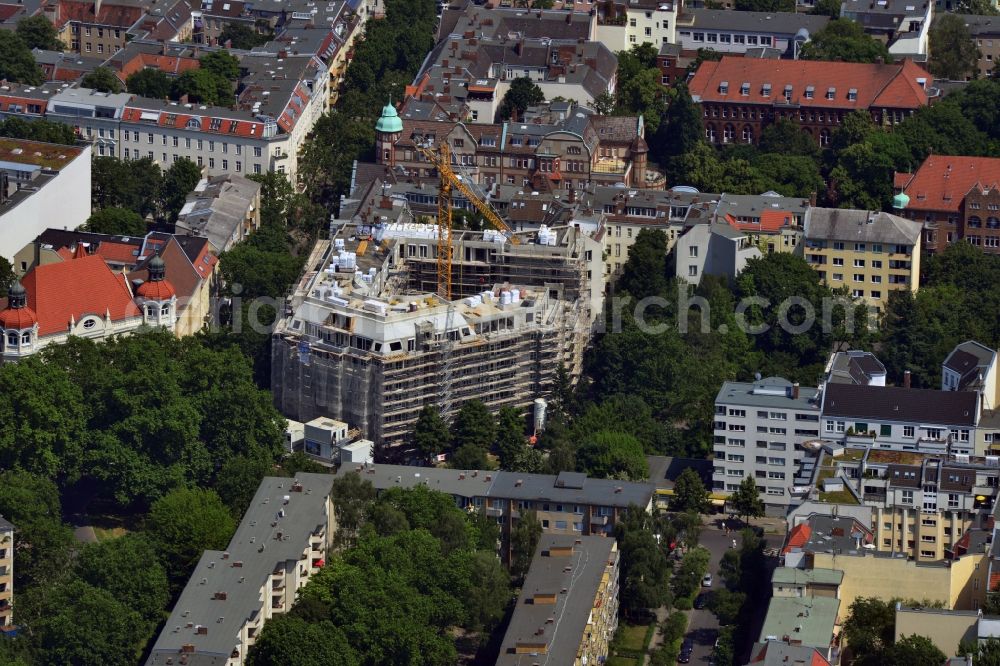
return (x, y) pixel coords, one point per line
(567, 609)
(6, 574)
(470, 70)
(95, 28)
(945, 628)
(223, 209)
(739, 97)
(569, 503)
(170, 58)
(781, 653)
(812, 622)
(732, 32)
(622, 25)
(673, 64)
(824, 542)
(40, 184)
(972, 366)
(985, 30)
(280, 543)
(759, 431)
(82, 297)
(956, 198)
(210, 18)
(903, 25)
(855, 367)
(371, 349)
(870, 253)
(169, 21)
(572, 150)
(795, 582)
(712, 249)
(64, 67)
(189, 262)
(900, 418)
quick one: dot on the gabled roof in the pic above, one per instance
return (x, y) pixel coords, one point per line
(892, 86)
(73, 289)
(893, 403)
(942, 181)
(797, 538)
(118, 15)
(181, 271)
(860, 226)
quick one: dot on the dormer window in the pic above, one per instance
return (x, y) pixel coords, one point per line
(766, 90)
(724, 88)
(831, 93)
(852, 95)
(810, 92)
(788, 92)
(745, 89)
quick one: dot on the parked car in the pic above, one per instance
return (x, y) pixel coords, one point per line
(687, 649)
(701, 600)
(707, 580)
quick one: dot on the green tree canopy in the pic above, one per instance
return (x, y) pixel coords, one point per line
(523, 92)
(430, 433)
(981, 7)
(524, 536)
(178, 181)
(289, 640)
(612, 455)
(645, 271)
(41, 542)
(679, 131)
(38, 130)
(153, 83)
(77, 623)
(765, 5)
(241, 36)
(645, 569)
(787, 138)
(914, 650)
(846, 40)
(37, 32)
(117, 222)
(16, 61)
(129, 184)
(689, 492)
(954, 54)
(203, 86)
(221, 63)
(186, 522)
(128, 567)
(870, 629)
(746, 501)
(473, 425)
(102, 79)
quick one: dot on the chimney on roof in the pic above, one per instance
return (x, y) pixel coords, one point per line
(795, 391)
(906, 379)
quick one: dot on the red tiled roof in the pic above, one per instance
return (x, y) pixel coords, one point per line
(770, 221)
(942, 181)
(900, 179)
(74, 289)
(160, 290)
(7, 11)
(165, 63)
(121, 16)
(182, 114)
(18, 318)
(891, 86)
(119, 253)
(994, 581)
(65, 253)
(798, 537)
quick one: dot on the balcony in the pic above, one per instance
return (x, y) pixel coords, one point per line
(598, 520)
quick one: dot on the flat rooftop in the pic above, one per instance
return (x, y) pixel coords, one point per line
(810, 620)
(45, 155)
(567, 570)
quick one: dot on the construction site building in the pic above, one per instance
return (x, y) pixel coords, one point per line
(366, 339)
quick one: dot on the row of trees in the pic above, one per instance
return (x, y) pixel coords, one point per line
(141, 188)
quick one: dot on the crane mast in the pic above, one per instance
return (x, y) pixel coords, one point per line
(440, 157)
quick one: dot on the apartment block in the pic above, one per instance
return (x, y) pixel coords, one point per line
(622, 25)
(903, 25)
(40, 183)
(868, 252)
(570, 503)
(956, 198)
(567, 611)
(281, 541)
(712, 249)
(223, 209)
(760, 430)
(985, 30)
(370, 342)
(6, 574)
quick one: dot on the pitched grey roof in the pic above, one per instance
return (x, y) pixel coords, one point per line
(979, 25)
(6, 525)
(257, 550)
(574, 580)
(860, 226)
(968, 359)
(217, 208)
(893, 403)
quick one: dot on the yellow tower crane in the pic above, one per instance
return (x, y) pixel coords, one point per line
(440, 157)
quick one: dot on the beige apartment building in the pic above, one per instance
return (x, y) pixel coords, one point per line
(6, 573)
(868, 252)
(567, 611)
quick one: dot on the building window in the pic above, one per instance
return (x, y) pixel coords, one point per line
(908, 431)
(747, 134)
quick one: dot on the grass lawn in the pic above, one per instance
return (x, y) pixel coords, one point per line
(105, 533)
(621, 661)
(838, 497)
(633, 636)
